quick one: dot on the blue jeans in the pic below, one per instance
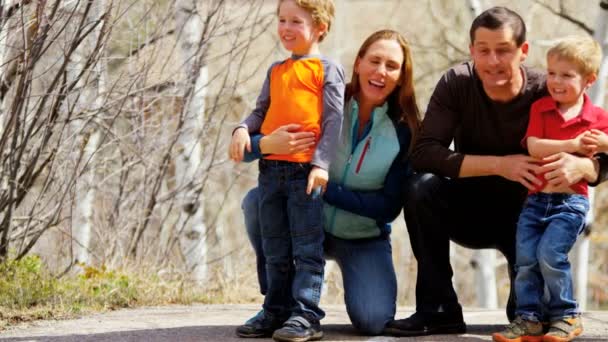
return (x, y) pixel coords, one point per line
(368, 274)
(546, 231)
(292, 240)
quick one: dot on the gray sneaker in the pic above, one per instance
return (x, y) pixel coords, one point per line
(520, 330)
(260, 325)
(298, 329)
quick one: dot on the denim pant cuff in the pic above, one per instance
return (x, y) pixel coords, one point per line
(565, 315)
(529, 316)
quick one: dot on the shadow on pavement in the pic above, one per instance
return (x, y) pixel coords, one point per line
(333, 332)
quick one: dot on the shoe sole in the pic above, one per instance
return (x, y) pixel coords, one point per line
(259, 335)
(500, 338)
(315, 337)
(570, 337)
(442, 330)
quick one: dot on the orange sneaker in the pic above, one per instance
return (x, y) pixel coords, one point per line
(563, 330)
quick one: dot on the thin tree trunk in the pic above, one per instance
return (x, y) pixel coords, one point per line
(90, 100)
(485, 278)
(190, 224)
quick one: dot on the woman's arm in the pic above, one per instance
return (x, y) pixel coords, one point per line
(383, 205)
(284, 140)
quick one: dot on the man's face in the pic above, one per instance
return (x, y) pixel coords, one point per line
(496, 57)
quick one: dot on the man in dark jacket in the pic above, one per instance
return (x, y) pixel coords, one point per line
(473, 194)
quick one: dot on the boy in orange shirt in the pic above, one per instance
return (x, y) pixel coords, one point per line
(553, 217)
(305, 89)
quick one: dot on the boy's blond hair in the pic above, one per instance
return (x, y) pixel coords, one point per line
(322, 12)
(583, 51)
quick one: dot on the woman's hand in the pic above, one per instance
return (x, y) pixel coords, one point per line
(286, 140)
(240, 141)
(317, 178)
(564, 169)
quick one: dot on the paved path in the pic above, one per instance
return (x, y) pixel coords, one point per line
(217, 323)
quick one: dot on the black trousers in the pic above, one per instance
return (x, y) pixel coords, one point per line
(476, 212)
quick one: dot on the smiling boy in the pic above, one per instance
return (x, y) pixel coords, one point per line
(553, 216)
(305, 89)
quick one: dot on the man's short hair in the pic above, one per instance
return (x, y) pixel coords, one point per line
(583, 51)
(499, 17)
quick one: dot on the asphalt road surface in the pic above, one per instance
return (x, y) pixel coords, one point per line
(217, 323)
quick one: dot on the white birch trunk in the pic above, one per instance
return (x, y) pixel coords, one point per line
(485, 278)
(191, 224)
(3, 48)
(91, 99)
(597, 94)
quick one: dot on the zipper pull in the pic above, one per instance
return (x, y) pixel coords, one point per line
(363, 153)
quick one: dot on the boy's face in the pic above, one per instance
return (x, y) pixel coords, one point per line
(565, 82)
(496, 57)
(296, 28)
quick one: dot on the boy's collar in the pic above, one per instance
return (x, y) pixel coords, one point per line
(588, 113)
(309, 55)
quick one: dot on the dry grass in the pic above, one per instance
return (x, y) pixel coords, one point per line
(28, 291)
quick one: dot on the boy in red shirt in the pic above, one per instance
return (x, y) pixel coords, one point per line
(553, 217)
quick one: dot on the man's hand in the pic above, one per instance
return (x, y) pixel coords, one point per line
(286, 140)
(317, 177)
(564, 169)
(519, 168)
(240, 141)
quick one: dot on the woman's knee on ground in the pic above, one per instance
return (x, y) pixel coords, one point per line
(369, 320)
(250, 206)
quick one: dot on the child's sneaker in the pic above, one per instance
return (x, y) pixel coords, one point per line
(520, 330)
(298, 329)
(565, 329)
(260, 325)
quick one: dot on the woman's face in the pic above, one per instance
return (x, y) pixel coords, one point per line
(379, 70)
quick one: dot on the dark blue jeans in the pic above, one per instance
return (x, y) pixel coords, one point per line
(368, 273)
(547, 229)
(292, 240)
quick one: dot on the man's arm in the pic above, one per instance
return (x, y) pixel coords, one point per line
(431, 152)
(564, 169)
(601, 166)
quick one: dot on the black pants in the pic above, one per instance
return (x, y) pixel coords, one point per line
(476, 212)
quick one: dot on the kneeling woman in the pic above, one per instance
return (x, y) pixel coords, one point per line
(365, 189)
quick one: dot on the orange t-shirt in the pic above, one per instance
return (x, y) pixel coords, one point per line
(296, 96)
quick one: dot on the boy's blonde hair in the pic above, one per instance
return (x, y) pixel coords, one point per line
(322, 12)
(583, 51)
